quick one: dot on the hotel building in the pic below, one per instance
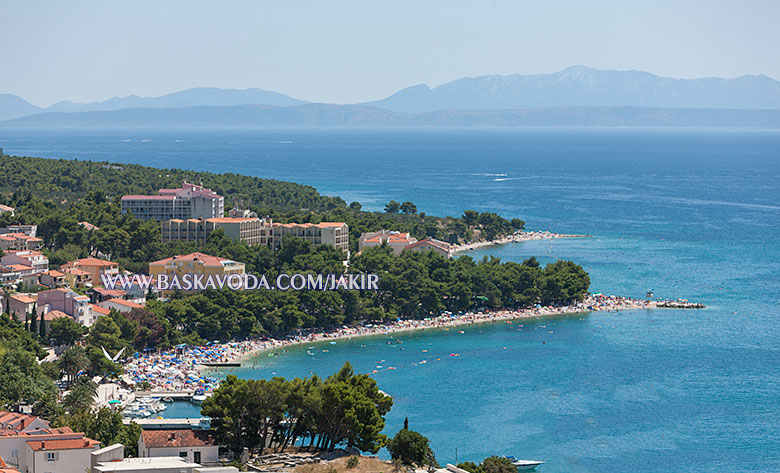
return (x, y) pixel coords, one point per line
(252, 231)
(189, 201)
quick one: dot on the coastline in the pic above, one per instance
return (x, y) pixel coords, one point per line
(183, 368)
(590, 304)
(514, 238)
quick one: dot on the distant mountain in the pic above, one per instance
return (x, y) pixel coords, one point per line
(324, 115)
(186, 98)
(585, 87)
(12, 106)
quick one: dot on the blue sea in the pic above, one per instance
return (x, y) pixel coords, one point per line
(688, 213)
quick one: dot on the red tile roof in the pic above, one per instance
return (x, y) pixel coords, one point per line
(19, 267)
(148, 197)
(15, 421)
(207, 260)
(232, 219)
(23, 299)
(112, 293)
(54, 314)
(65, 444)
(311, 225)
(100, 310)
(178, 438)
(431, 242)
(92, 262)
(125, 303)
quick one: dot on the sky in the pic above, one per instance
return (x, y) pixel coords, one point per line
(353, 51)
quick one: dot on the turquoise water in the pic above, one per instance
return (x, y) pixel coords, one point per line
(689, 213)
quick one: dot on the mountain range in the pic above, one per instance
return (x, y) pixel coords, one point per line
(577, 95)
(12, 106)
(585, 87)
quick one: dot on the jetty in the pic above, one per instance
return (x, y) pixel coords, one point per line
(679, 305)
(194, 423)
(182, 395)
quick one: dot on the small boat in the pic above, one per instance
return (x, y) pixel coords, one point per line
(198, 396)
(524, 465)
(167, 399)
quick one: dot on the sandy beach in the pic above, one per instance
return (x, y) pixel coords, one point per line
(516, 237)
(183, 367)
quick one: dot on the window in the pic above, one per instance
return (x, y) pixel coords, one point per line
(15, 453)
(196, 457)
(51, 456)
(183, 454)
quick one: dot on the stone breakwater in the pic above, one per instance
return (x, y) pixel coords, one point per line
(679, 305)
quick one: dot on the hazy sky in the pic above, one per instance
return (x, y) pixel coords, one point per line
(352, 51)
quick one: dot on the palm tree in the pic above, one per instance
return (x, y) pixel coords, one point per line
(81, 396)
(73, 360)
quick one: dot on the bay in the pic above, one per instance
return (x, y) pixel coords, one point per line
(688, 213)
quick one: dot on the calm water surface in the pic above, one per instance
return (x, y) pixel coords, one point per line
(693, 213)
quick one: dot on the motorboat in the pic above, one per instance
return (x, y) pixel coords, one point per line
(198, 396)
(524, 465)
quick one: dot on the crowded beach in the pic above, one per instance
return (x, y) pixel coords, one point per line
(181, 368)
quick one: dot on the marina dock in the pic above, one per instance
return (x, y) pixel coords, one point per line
(194, 423)
(183, 395)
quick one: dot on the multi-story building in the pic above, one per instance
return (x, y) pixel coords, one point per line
(30, 445)
(324, 233)
(189, 201)
(52, 279)
(18, 273)
(32, 258)
(95, 267)
(194, 264)
(19, 241)
(75, 277)
(19, 305)
(65, 300)
(31, 230)
(250, 230)
(396, 240)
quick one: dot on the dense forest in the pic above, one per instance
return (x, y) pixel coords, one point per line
(41, 187)
(413, 285)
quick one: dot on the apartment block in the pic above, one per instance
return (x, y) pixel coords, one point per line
(324, 233)
(94, 267)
